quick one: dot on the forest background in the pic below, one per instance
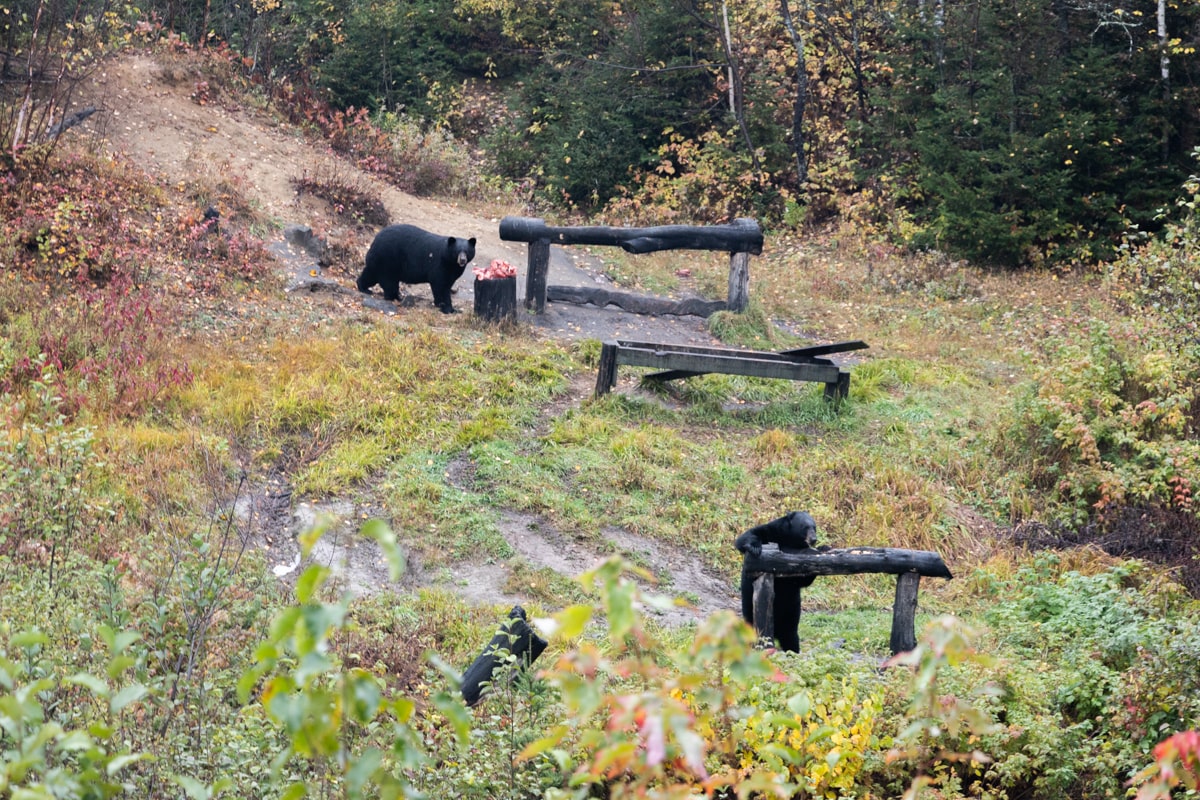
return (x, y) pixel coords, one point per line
(999, 196)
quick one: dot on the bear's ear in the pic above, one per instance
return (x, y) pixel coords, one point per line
(450, 241)
(471, 241)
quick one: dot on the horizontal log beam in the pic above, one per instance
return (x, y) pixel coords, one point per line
(815, 350)
(636, 303)
(848, 561)
(741, 236)
(739, 364)
(801, 355)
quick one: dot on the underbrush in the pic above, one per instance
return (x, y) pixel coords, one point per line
(346, 194)
(1084, 676)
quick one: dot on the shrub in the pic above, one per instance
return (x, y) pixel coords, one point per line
(1110, 421)
(818, 740)
(1160, 276)
(43, 758)
(705, 180)
(428, 159)
(347, 194)
(45, 470)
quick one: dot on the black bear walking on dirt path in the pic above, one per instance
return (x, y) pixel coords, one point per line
(408, 254)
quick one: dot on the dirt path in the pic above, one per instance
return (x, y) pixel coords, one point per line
(149, 115)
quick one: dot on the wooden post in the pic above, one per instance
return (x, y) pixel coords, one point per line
(904, 613)
(840, 390)
(739, 282)
(606, 375)
(538, 269)
(764, 606)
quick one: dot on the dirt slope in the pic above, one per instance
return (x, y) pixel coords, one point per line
(150, 114)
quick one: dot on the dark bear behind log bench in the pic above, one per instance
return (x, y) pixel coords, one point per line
(794, 531)
(408, 254)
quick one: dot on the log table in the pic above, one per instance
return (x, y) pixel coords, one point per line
(907, 565)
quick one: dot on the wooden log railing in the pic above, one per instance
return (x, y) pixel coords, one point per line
(909, 566)
(741, 239)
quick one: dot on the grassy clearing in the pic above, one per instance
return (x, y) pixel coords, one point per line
(443, 427)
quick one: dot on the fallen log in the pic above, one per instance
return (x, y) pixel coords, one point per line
(636, 303)
(70, 122)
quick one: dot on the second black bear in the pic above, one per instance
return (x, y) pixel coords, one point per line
(794, 531)
(408, 254)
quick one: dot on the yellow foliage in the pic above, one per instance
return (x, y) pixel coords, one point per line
(818, 744)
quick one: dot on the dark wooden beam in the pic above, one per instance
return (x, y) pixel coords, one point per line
(848, 561)
(800, 355)
(636, 303)
(738, 363)
(741, 236)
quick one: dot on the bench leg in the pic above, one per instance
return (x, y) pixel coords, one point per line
(535, 277)
(904, 613)
(840, 390)
(764, 606)
(606, 375)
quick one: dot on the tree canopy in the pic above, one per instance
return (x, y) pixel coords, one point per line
(1011, 133)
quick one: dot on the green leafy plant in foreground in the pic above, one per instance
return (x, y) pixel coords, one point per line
(1176, 762)
(818, 740)
(40, 759)
(327, 710)
(45, 467)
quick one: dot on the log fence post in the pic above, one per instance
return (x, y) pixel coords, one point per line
(739, 282)
(606, 374)
(904, 612)
(535, 277)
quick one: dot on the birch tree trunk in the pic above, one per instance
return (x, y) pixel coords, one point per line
(737, 102)
(801, 102)
(1164, 65)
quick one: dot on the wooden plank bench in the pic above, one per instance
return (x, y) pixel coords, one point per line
(686, 361)
(907, 565)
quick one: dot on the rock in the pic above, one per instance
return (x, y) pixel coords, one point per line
(302, 236)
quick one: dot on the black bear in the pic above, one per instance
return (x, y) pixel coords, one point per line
(408, 254)
(794, 531)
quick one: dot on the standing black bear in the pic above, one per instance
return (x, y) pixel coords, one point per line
(794, 531)
(407, 254)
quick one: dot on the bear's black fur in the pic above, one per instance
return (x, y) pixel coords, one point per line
(408, 254)
(794, 531)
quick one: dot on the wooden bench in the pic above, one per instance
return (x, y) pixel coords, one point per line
(907, 565)
(686, 361)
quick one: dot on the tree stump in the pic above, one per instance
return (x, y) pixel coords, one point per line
(496, 299)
